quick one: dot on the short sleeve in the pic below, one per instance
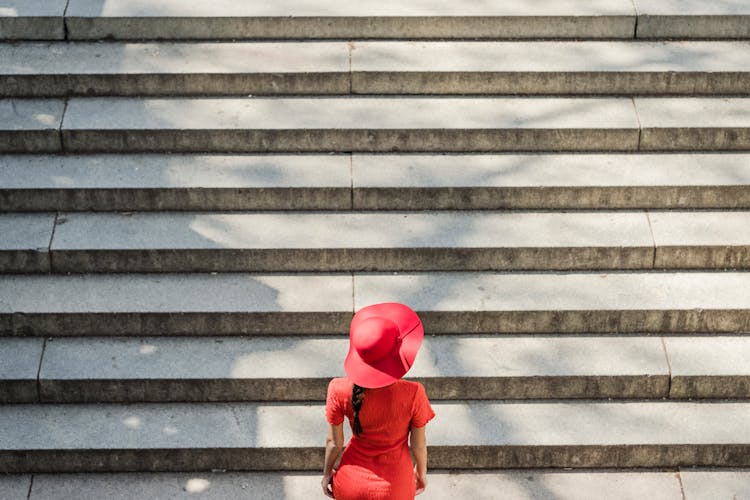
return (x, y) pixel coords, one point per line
(334, 408)
(421, 412)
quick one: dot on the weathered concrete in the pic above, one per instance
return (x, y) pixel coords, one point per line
(179, 242)
(195, 304)
(557, 68)
(24, 246)
(287, 369)
(699, 484)
(175, 182)
(32, 20)
(171, 69)
(709, 367)
(349, 124)
(701, 239)
(567, 302)
(15, 487)
(692, 19)
(528, 485)
(541, 181)
(381, 182)
(170, 19)
(30, 125)
(19, 364)
(185, 437)
(694, 124)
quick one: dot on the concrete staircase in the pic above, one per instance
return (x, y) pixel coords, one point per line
(196, 198)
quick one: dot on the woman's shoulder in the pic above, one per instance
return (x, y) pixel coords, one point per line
(340, 384)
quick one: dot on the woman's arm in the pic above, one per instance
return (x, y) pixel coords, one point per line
(418, 444)
(334, 445)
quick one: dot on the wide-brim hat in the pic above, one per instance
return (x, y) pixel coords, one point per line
(383, 342)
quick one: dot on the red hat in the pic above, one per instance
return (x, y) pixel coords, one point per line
(383, 343)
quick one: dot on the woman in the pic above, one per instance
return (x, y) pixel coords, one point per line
(387, 415)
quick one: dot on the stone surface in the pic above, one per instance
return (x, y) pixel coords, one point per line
(694, 123)
(709, 367)
(562, 68)
(178, 242)
(699, 484)
(293, 369)
(202, 304)
(30, 125)
(692, 19)
(567, 302)
(24, 247)
(32, 20)
(175, 182)
(358, 19)
(60, 69)
(15, 487)
(591, 181)
(348, 124)
(19, 364)
(442, 485)
(272, 436)
(701, 239)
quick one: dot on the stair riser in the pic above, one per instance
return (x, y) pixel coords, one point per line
(511, 322)
(552, 83)
(479, 198)
(344, 27)
(441, 457)
(531, 198)
(347, 260)
(374, 260)
(307, 389)
(458, 83)
(30, 141)
(174, 85)
(375, 141)
(299, 141)
(692, 27)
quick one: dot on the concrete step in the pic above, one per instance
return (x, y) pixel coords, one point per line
(154, 369)
(373, 182)
(250, 436)
(311, 242)
(183, 182)
(170, 19)
(266, 68)
(294, 19)
(86, 370)
(30, 125)
(172, 69)
(678, 484)
(692, 19)
(541, 181)
(367, 241)
(251, 304)
(120, 125)
(32, 19)
(551, 68)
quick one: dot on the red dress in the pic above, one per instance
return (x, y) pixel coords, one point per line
(377, 465)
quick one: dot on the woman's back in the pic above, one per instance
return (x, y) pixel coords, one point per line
(377, 464)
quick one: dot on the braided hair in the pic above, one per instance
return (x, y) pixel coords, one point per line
(358, 397)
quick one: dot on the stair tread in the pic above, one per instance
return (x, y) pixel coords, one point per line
(531, 484)
(120, 58)
(458, 291)
(274, 358)
(251, 425)
(349, 113)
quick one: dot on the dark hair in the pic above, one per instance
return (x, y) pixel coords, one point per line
(358, 396)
